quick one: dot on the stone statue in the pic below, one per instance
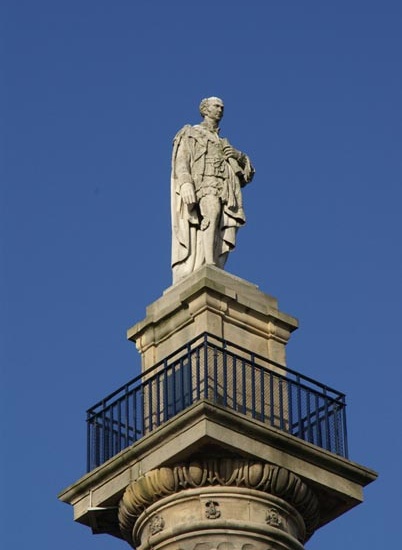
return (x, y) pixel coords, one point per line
(206, 200)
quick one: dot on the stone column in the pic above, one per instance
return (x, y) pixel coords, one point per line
(218, 504)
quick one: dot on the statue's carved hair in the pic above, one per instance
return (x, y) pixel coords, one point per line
(204, 104)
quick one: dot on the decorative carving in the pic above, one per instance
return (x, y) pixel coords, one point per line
(212, 511)
(235, 472)
(156, 524)
(273, 518)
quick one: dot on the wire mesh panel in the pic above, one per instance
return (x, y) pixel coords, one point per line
(226, 375)
(115, 426)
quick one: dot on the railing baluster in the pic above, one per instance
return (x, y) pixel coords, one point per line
(119, 431)
(173, 379)
(215, 376)
(109, 442)
(165, 391)
(188, 378)
(318, 421)
(326, 420)
(89, 441)
(224, 376)
(150, 403)
(105, 434)
(137, 414)
(299, 408)
(271, 399)
(98, 460)
(181, 379)
(344, 430)
(244, 386)
(310, 436)
(253, 407)
(206, 367)
(336, 429)
(262, 394)
(281, 412)
(158, 399)
(234, 382)
(290, 405)
(126, 413)
(197, 375)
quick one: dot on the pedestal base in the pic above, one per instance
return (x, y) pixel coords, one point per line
(211, 300)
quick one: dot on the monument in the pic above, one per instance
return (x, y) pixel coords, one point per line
(207, 208)
(217, 444)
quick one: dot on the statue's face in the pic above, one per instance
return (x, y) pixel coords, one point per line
(215, 109)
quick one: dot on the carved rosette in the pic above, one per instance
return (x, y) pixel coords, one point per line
(255, 504)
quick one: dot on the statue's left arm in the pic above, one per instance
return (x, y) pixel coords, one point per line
(240, 163)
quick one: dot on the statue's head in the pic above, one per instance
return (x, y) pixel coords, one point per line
(207, 102)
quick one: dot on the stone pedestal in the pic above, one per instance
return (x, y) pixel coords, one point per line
(211, 300)
(215, 302)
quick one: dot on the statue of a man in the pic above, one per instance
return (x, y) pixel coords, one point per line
(207, 176)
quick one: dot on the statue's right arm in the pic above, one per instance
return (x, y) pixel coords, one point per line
(184, 179)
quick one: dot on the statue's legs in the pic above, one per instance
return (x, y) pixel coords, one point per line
(210, 208)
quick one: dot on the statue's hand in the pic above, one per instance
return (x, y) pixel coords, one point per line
(231, 152)
(187, 193)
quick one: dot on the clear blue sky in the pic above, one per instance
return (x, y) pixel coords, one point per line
(93, 93)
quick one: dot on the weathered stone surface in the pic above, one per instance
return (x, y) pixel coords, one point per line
(231, 517)
(214, 473)
(206, 199)
(211, 300)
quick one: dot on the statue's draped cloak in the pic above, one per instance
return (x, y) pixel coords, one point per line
(188, 166)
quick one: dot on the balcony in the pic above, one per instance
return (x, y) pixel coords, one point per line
(208, 368)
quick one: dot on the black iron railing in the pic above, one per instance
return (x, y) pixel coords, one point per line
(225, 374)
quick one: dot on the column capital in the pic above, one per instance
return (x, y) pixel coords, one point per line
(209, 488)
